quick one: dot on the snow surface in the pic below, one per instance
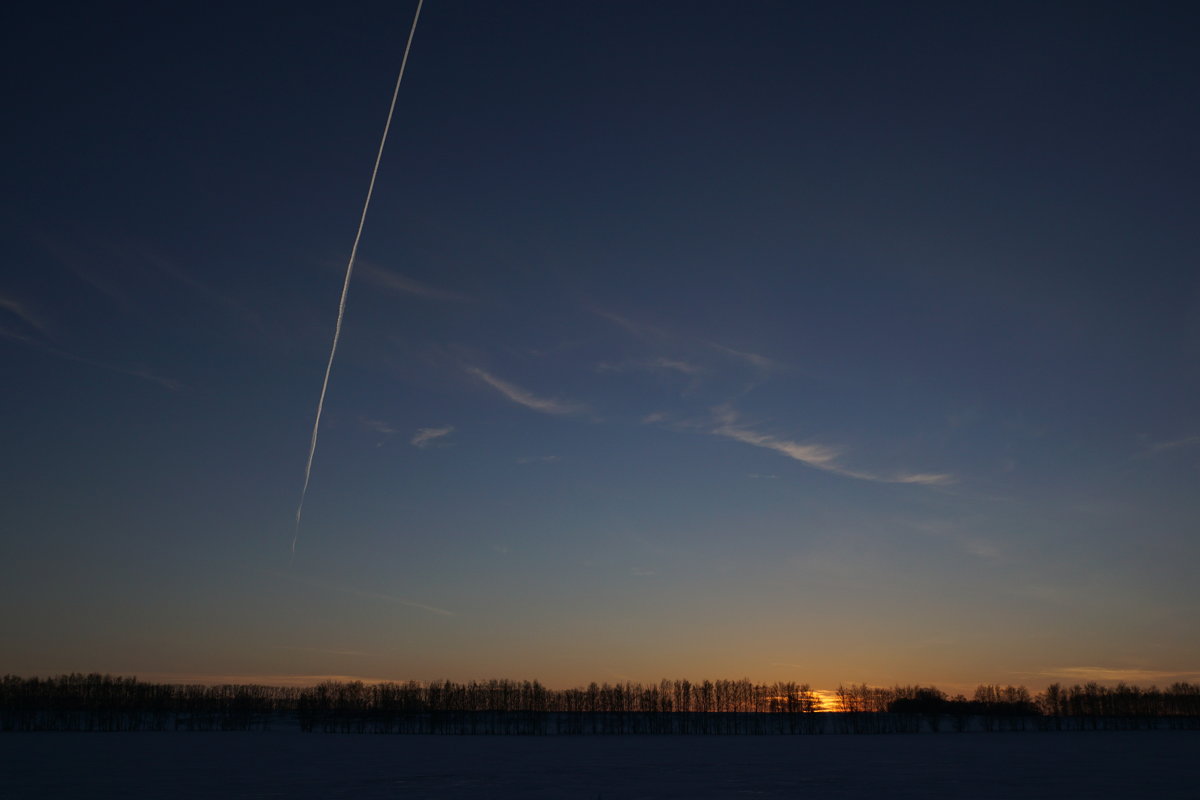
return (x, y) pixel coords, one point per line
(1136, 764)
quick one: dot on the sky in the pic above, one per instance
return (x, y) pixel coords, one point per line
(828, 342)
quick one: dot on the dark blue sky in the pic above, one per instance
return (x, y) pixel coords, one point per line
(845, 342)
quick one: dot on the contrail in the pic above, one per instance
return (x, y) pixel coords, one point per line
(337, 330)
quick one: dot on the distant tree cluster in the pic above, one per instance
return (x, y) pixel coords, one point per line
(515, 707)
(1121, 706)
(911, 708)
(105, 703)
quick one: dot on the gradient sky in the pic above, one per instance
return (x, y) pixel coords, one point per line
(823, 342)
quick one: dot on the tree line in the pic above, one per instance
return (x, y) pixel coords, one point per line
(96, 702)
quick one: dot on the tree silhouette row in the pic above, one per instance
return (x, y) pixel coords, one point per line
(106, 703)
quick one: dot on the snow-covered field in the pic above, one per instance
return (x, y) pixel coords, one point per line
(1163, 764)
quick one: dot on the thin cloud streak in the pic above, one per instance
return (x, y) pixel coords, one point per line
(650, 332)
(525, 398)
(74, 262)
(820, 456)
(221, 679)
(636, 329)
(652, 365)
(393, 281)
(1176, 444)
(199, 288)
(364, 594)
(815, 455)
(754, 359)
(139, 372)
(324, 651)
(379, 426)
(427, 436)
(132, 371)
(22, 312)
(537, 459)
(387, 598)
(921, 478)
(1117, 674)
(401, 601)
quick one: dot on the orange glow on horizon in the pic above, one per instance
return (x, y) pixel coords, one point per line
(827, 698)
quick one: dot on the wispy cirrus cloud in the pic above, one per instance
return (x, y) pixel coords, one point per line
(638, 329)
(1117, 674)
(442, 612)
(324, 650)
(815, 455)
(133, 370)
(379, 426)
(393, 281)
(22, 311)
(516, 394)
(961, 537)
(427, 436)
(143, 271)
(84, 268)
(753, 359)
(361, 593)
(922, 478)
(1173, 444)
(821, 456)
(661, 364)
(175, 270)
(137, 372)
(257, 679)
(704, 356)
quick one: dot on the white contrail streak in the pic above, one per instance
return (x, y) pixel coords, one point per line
(337, 330)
